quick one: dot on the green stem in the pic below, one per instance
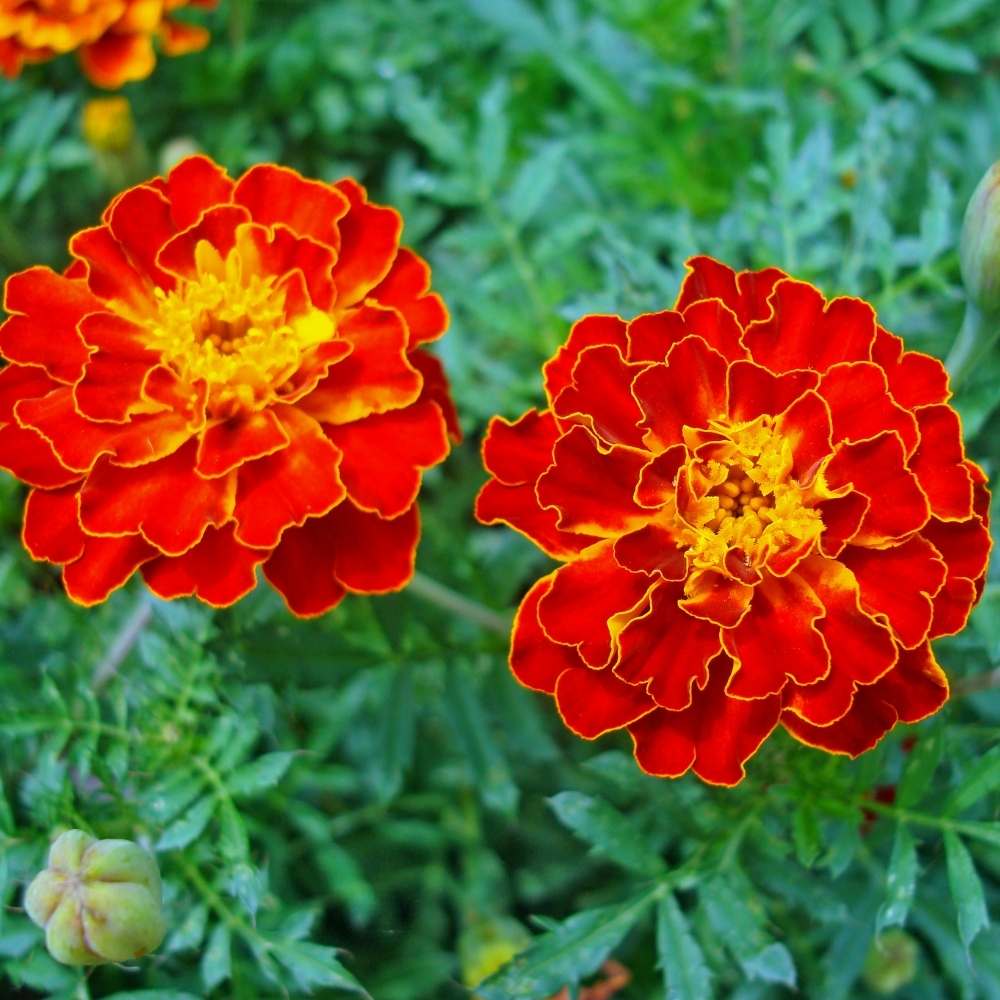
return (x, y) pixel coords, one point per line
(977, 336)
(444, 597)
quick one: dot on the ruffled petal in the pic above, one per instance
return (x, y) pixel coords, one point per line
(535, 660)
(753, 390)
(111, 275)
(104, 566)
(939, 463)
(716, 598)
(373, 555)
(964, 545)
(407, 288)
(228, 444)
(652, 549)
(218, 226)
(594, 702)
(51, 528)
(437, 389)
(369, 241)
(915, 379)
(806, 426)
(193, 186)
(651, 335)
(141, 221)
(114, 60)
(717, 325)
(746, 293)
(301, 569)
(952, 606)
(591, 330)
(29, 456)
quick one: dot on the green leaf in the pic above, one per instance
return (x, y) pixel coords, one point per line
(233, 842)
(772, 964)
(6, 816)
(942, 54)
(735, 914)
(919, 769)
(806, 834)
(313, 965)
(685, 975)
(153, 995)
(565, 954)
(534, 182)
(608, 832)
(395, 737)
(217, 959)
(190, 933)
(494, 133)
(900, 881)
(966, 889)
(181, 832)
(981, 779)
(262, 773)
(900, 75)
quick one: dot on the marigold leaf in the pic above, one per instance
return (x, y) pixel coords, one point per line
(982, 778)
(942, 54)
(313, 965)
(216, 962)
(181, 832)
(919, 769)
(395, 738)
(900, 881)
(265, 772)
(685, 975)
(772, 964)
(966, 889)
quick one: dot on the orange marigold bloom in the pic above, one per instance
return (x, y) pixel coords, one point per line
(114, 38)
(765, 513)
(228, 374)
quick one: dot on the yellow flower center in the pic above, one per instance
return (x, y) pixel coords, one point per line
(229, 327)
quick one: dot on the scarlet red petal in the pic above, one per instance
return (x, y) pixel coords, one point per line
(587, 332)
(716, 735)
(915, 379)
(19, 382)
(178, 39)
(593, 486)
(877, 469)
(51, 527)
(228, 444)
(386, 455)
(194, 185)
(601, 393)
(164, 500)
(667, 650)
(586, 595)
(407, 288)
(521, 451)
(964, 545)
(105, 565)
(301, 569)
(286, 487)
(437, 390)
(369, 241)
(218, 570)
(217, 226)
(806, 426)
(595, 702)
(114, 60)
(916, 687)
(939, 463)
(899, 582)
(651, 335)
(690, 388)
(42, 331)
(110, 273)
(861, 406)
(746, 293)
(535, 660)
(716, 598)
(753, 390)
(141, 221)
(717, 325)
(842, 517)
(652, 549)
(658, 479)
(26, 453)
(806, 331)
(373, 555)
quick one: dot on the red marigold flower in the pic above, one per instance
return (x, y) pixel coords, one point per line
(229, 374)
(764, 513)
(114, 38)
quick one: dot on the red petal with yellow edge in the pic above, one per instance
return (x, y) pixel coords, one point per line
(716, 598)
(51, 530)
(407, 288)
(114, 60)
(651, 335)
(179, 39)
(369, 241)
(877, 469)
(584, 595)
(806, 331)
(753, 390)
(594, 702)
(305, 582)
(110, 273)
(783, 616)
(217, 226)
(535, 660)
(194, 186)
(290, 485)
(26, 454)
(658, 479)
(964, 545)
(717, 325)
(106, 565)
(275, 195)
(437, 389)
(225, 446)
(689, 389)
(601, 393)
(375, 377)
(385, 456)
(141, 222)
(715, 736)
(587, 332)
(166, 501)
(218, 570)
(667, 650)
(517, 506)
(916, 687)
(593, 487)
(47, 308)
(746, 293)
(842, 517)
(952, 606)
(806, 427)
(314, 363)
(899, 582)
(861, 405)
(915, 379)
(76, 440)
(19, 382)
(939, 463)
(112, 381)
(373, 555)
(652, 549)
(521, 451)
(869, 718)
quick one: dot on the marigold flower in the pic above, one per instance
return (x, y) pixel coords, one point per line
(107, 124)
(764, 513)
(229, 374)
(114, 38)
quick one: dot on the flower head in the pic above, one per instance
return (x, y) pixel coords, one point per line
(114, 38)
(107, 124)
(229, 374)
(764, 513)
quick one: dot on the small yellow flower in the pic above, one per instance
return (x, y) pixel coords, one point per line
(107, 124)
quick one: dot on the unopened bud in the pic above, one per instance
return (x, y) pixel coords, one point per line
(98, 900)
(980, 244)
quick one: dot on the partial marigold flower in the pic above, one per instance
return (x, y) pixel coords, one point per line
(107, 124)
(764, 514)
(113, 38)
(229, 375)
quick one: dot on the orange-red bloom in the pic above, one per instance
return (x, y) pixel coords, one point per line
(114, 38)
(228, 374)
(765, 513)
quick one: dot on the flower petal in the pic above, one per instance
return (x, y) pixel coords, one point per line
(915, 379)
(407, 288)
(535, 660)
(651, 335)
(373, 555)
(717, 325)
(111, 275)
(964, 545)
(141, 221)
(29, 456)
(114, 60)
(594, 702)
(939, 463)
(753, 390)
(193, 186)
(652, 549)
(105, 565)
(301, 569)
(51, 528)
(437, 389)
(587, 332)
(952, 606)
(369, 241)
(806, 426)
(226, 445)
(716, 598)
(746, 292)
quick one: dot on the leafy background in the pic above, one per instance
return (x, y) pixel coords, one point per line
(367, 802)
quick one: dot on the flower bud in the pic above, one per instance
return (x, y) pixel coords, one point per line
(980, 244)
(98, 900)
(891, 962)
(107, 124)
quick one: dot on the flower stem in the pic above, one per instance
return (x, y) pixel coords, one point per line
(127, 637)
(444, 597)
(977, 335)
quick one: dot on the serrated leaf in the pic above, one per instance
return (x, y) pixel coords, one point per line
(262, 773)
(900, 75)
(966, 889)
(182, 831)
(806, 834)
(607, 831)
(217, 959)
(982, 778)
(900, 881)
(395, 738)
(533, 183)
(685, 975)
(942, 54)
(190, 933)
(493, 134)
(233, 843)
(919, 769)
(314, 965)
(566, 953)
(772, 964)
(734, 914)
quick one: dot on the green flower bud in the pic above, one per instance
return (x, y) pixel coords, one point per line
(980, 244)
(98, 900)
(891, 962)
